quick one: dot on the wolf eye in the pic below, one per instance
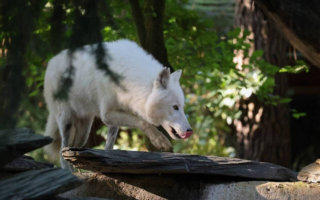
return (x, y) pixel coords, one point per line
(176, 107)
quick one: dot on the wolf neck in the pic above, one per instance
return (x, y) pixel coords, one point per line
(138, 88)
(139, 70)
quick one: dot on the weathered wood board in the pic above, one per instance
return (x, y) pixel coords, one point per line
(24, 163)
(16, 142)
(134, 162)
(38, 184)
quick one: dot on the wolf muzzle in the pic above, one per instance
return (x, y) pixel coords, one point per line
(187, 134)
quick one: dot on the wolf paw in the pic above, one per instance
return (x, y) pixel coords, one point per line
(162, 143)
(66, 165)
(158, 140)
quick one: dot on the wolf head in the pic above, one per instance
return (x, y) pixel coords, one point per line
(165, 105)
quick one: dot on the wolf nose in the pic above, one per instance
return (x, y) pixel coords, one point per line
(189, 129)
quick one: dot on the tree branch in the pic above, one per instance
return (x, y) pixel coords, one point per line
(278, 14)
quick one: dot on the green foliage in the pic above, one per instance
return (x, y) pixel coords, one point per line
(298, 68)
(212, 80)
(297, 114)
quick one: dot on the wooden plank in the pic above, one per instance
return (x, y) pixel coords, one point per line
(25, 163)
(38, 184)
(135, 162)
(16, 142)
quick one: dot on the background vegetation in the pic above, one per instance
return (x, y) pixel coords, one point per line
(220, 67)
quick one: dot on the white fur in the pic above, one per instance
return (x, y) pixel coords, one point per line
(146, 97)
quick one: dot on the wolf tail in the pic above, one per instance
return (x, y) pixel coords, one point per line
(52, 130)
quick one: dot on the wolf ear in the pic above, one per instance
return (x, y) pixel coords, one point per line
(162, 80)
(176, 75)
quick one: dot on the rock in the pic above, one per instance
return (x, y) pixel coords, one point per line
(187, 187)
(310, 173)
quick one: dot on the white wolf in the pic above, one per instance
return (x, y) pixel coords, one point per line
(150, 96)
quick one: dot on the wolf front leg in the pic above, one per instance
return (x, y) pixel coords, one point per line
(116, 118)
(111, 136)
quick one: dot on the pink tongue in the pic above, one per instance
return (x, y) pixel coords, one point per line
(187, 135)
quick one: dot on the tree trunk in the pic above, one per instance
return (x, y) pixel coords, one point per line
(149, 27)
(263, 131)
(16, 23)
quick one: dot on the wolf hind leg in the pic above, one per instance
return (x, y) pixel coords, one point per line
(81, 127)
(75, 134)
(52, 130)
(64, 120)
(111, 136)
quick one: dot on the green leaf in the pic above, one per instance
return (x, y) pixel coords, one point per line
(298, 115)
(246, 33)
(257, 54)
(29, 81)
(298, 68)
(285, 100)
(34, 93)
(235, 33)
